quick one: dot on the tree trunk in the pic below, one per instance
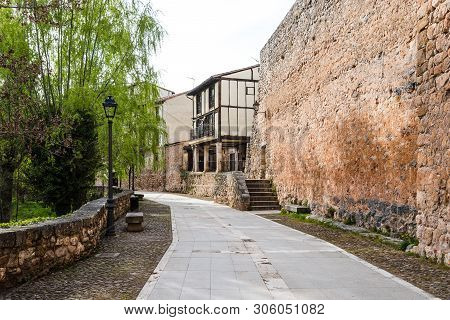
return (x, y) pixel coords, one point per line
(129, 178)
(6, 191)
(133, 180)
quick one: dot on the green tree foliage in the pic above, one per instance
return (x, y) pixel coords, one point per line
(62, 173)
(19, 124)
(84, 51)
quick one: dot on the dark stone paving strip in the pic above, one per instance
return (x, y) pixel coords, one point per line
(424, 274)
(119, 270)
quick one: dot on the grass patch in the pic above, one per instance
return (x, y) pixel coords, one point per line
(377, 234)
(30, 212)
(24, 222)
(303, 217)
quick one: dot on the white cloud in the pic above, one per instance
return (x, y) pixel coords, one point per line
(206, 37)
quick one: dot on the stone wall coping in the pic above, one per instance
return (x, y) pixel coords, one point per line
(81, 216)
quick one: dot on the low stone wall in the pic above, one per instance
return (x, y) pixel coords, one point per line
(231, 189)
(200, 184)
(150, 180)
(228, 188)
(31, 251)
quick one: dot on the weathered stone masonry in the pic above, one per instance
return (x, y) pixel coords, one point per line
(347, 121)
(31, 251)
(228, 188)
(433, 110)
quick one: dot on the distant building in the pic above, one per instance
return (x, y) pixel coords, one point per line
(176, 110)
(164, 93)
(222, 117)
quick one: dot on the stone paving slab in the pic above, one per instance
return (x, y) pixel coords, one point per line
(221, 253)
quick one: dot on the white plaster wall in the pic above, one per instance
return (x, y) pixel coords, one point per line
(177, 114)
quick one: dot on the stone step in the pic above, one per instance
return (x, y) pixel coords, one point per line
(258, 183)
(266, 184)
(262, 194)
(256, 180)
(263, 203)
(258, 189)
(264, 208)
(264, 198)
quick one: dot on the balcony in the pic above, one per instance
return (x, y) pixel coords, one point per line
(202, 131)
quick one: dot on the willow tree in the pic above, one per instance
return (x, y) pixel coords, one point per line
(138, 129)
(18, 104)
(86, 50)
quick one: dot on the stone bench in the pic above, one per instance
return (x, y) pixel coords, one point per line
(134, 221)
(140, 196)
(297, 209)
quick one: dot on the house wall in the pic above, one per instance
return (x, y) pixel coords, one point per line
(177, 114)
(339, 118)
(237, 121)
(234, 121)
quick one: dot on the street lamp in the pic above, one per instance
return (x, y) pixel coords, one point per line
(110, 107)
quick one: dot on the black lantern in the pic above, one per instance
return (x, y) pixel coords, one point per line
(110, 106)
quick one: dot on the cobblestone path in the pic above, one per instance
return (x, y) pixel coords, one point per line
(119, 276)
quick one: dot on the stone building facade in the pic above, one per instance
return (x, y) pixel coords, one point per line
(353, 115)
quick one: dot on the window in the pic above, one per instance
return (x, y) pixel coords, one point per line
(212, 96)
(198, 100)
(250, 91)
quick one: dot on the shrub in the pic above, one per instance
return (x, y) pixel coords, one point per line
(63, 169)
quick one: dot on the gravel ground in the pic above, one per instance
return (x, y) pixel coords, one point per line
(427, 275)
(120, 277)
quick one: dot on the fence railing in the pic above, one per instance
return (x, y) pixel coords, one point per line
(202, 131)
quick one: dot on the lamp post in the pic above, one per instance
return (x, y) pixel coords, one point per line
(110, 107)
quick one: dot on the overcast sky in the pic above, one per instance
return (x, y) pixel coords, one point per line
(205, 37)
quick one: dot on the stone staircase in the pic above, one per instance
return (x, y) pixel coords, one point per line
(262, 197)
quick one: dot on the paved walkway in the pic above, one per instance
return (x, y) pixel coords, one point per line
(221, 253)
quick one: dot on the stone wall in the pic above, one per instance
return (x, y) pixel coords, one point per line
(336, 112)
(433, 110)
(31, 251)
(200, 184)
(174, 167)
(149, 180)
(228, 188)
(338, 115)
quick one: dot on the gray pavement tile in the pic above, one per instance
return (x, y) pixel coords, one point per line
(165, 294)
(199, 264)
(289, 264)
(230, 294)
(197, 279)
(195, 294)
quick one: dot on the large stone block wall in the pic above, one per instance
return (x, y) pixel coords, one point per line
(228, 188)
(336, 111)
(433, 110)
(31, 251)
(338, 115)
